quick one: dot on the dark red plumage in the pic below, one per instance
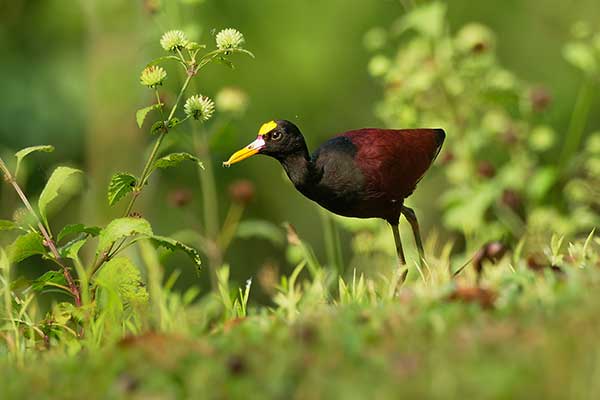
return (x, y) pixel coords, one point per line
(392, 162)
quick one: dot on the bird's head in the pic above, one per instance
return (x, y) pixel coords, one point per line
(278, 139)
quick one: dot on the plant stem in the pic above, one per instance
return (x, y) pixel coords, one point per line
(210, 205)
(148, 166)
(232, 220)
(577, 123)
(47, 237)
(332, 242)
(137, 190)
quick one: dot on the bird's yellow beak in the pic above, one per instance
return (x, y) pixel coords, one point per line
(246, 152)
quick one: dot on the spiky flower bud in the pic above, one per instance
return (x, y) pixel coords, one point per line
(153, 76)
(199, 107)
(229, 39)
(173, 40)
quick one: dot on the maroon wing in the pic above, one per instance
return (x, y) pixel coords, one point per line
(393, 161)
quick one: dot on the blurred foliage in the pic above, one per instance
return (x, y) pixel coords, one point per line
(500, 158)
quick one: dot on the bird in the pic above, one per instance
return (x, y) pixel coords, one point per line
(362, 173)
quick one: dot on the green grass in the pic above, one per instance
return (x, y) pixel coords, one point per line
(524, 334)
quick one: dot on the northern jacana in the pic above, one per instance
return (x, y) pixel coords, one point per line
(364, 173)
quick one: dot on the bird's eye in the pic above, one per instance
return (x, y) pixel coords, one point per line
(276, 135)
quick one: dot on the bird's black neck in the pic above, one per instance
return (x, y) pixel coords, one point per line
(300, 169)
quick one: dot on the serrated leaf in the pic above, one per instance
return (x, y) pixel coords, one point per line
(47, 279)
(122, 228)
(120, 286)
(173, 159)
(51, 191)
(21, 154)
(172, 244)
(6, 225)
(159, 60)
(25, 246)
(140, 115)
(120, 185)
(261, 229)
(75, 229)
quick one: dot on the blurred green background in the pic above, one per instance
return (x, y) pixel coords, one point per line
(70, 77)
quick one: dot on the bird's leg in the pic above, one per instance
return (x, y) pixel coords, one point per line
(401, 260)
(411, 217)
(399, 250)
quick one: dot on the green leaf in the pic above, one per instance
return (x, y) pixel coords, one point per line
(120, 286)
(71, 249)
(122, 228)
(215, 54)
(6, 225)
(21, 154)
(427, 19)
(191, 46)
(48, 279)
(172, 244)
(246, 52)
(25, 246)
(75, 229)
(173, 159)
(581, 56)
(120, 185)
(261, 229)
(140, 115)
(159, 60)
(173, 122)
(157, 127)
(4, 261)
(225, 62)
(542, 182)
(56, 182)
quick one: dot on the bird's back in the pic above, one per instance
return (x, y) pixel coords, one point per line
(394, 160)
(374, 170)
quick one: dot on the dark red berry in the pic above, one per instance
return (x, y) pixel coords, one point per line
(241, 191)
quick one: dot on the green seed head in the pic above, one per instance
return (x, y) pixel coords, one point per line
(199, 107)
(173, 40)
(229, 39)
(153, 76)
